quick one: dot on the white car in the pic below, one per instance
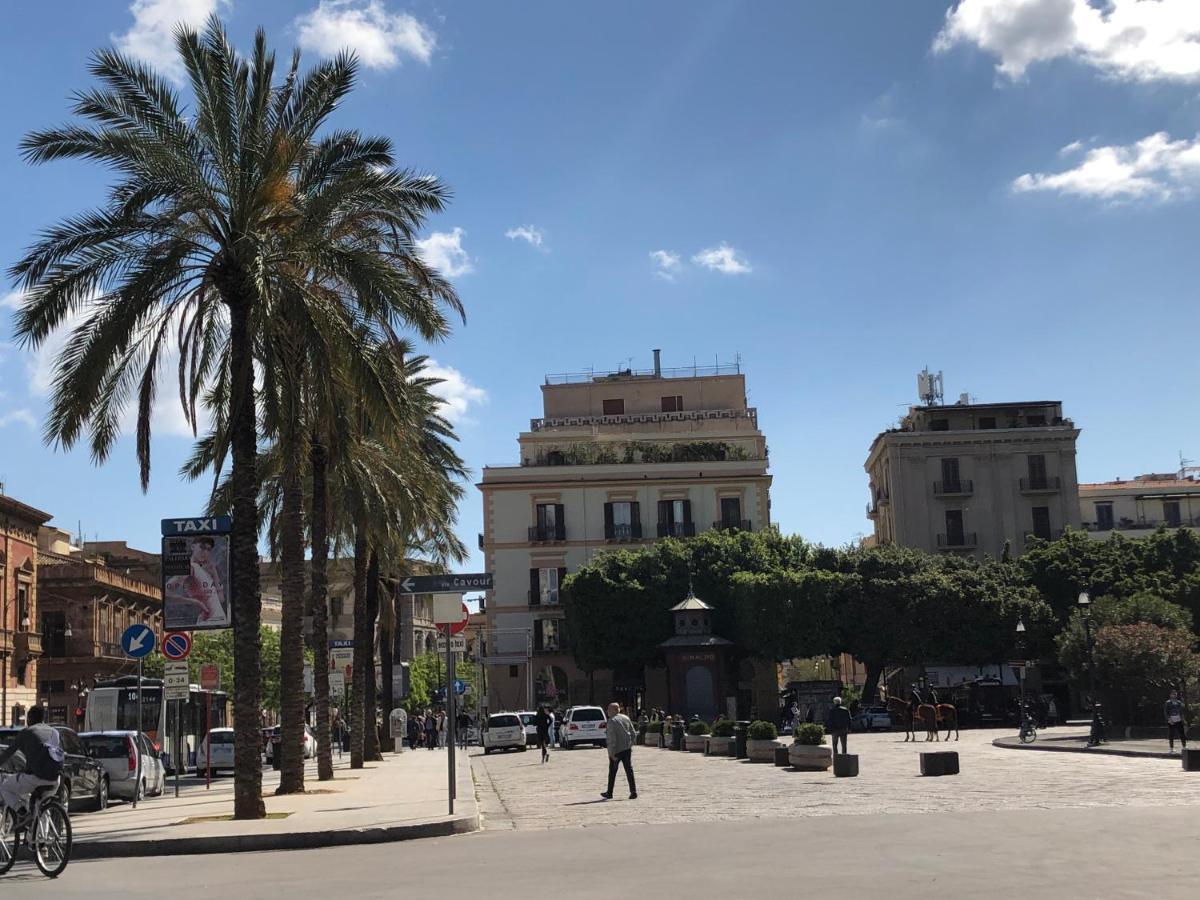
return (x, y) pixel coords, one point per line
(874, 717)
(583, 725)
(529, 720)
(504, 731)
(310, 744)
(222, 751)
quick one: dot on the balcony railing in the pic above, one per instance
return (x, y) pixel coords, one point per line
(540, 534)
(28, 644)
(962, 540)
(535, 598)
(1142, 524)
(960, 488)
(732, 525)
(621, 532)
(646, 418)
(1047, 485)
(110, 649)
(676, 529)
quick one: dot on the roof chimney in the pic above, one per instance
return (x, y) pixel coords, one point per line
(658, 364)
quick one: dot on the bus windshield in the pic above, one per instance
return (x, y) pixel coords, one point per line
(151, 711)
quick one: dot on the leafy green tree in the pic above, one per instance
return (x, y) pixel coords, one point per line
(1137, 663)
(217, 647)
(785, 613)
(1142, 607)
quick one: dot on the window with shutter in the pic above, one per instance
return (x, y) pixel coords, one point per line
(560, 523)
(535, 587)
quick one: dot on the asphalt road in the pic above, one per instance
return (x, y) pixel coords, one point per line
(1045, 853)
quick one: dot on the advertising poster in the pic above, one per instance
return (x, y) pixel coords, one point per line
(196, 594)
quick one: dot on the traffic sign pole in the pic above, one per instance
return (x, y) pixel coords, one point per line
(450, 725)
(136, 738)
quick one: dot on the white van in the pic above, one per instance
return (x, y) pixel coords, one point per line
(583, 725)
(504, 731)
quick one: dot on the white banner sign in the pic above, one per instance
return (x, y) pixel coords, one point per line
(337, 684)
(458, 644)
(175, 680)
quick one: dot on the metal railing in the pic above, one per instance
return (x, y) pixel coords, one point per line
(621, 532)
(646, 418)
(962, 486)
(535, 599)
(732, 525)
(1036, 485)
(542, 534)
(109, 649)
(676, 529)
(622, 374)
(958, 540)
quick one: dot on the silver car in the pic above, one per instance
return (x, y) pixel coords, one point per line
(118, 752)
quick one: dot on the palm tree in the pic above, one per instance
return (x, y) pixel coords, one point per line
(218, 218)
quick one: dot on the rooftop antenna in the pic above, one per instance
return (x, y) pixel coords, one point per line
(929, 387)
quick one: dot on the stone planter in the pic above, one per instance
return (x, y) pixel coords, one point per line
(694, 743)
(845, 765)
(943, 763)
(761, 751)
(720, 746)
(809, 758)
(653, 739)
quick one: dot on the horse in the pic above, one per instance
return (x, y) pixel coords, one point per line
(899, 712)
(928, 714)
(948, 713)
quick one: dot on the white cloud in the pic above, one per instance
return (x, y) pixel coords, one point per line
(18, 415)
(377, 36)
(459, 395)
(151, 38)
(1136, 40)
(444, 251)
(668, 264)
(1154, 168)
(531, 234)
(1073, 147)
(723, 259)
(12, 300)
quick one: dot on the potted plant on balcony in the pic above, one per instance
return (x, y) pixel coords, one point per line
(808, 752)
(654, 734)
(721, 741)
(697, 736)
(760, 741)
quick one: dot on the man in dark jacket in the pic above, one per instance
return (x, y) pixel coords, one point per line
(838, 724)
(41, 761)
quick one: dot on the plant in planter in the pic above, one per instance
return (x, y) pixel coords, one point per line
(760, 741)
(654, 732)
(721, 742)
(808, 752)
(697, 734)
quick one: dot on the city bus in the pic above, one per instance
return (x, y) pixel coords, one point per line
(112, 706)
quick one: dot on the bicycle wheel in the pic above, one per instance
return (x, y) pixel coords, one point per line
(8, 840)
(52, 839)
(1028, 736)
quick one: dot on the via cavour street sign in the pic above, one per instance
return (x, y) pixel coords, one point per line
(446, 584)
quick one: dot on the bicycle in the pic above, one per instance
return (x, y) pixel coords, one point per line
(1028, 732)
(46, 828)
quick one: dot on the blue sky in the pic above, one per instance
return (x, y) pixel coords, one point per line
(841, 193)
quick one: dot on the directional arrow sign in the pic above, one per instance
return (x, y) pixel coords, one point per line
(138, 641)
(446, 584)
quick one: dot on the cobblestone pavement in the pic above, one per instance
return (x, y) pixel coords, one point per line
(516, 791)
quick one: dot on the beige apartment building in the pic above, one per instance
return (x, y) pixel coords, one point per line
(1137, 507)
(970, 477)
(618, 459)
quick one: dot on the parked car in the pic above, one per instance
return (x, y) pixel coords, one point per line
(118, 752)
(873, 717)
(504, 731)
(583, 725)
(310, 744)
(529, 721)
(85, 783)
(222, 750)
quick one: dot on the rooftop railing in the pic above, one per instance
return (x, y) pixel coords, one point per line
(625, 374)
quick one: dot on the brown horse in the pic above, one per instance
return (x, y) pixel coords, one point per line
(898, 711)
(947, 713)
(927, 715)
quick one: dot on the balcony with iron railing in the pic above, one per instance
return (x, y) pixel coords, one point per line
(958, 540)
(543, 534)
(646, 418)
(107, 648)
(1051, 534)
(623, 532)
(676, 529)
(1143, 524)
(1045, 485)
(732, 525)
(961, 488)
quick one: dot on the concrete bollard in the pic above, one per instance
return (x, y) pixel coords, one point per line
(781, 756)
(845, 765)
(1191, 759)
(942, 763)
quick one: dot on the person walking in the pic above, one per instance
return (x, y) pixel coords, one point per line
(553, 726)
(1173, 713)
(838, 722)
(431, 730)
(414, 731)
(542, 722)
(620, 750)
(462, 728)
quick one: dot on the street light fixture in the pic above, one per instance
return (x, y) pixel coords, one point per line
(1021, 671)
(1097, 733)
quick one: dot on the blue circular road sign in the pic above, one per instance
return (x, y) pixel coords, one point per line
(138, 641)
(177, 645)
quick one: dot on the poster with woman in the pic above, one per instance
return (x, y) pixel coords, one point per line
(196, 582)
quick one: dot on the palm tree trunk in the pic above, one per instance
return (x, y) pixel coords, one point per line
(291, 636)
(362, 647)
(371, 729)
(247, 682)
(387, 640)
(320, 622)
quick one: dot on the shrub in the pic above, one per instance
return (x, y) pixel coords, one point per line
(698, 727)
(654, 728)
(762, 731)
(724, 728)
(810, 733)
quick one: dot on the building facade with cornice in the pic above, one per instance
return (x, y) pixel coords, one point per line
(20, 639)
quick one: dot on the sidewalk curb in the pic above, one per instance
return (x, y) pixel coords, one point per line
(295, 840)
(1015, 744)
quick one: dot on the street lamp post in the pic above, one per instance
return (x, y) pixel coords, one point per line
(1097, 733)
(1021, 670)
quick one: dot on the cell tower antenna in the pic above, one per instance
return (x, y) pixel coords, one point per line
(929, 387)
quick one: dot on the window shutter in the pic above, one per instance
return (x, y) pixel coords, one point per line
(560, 524)
(664, 511)
(562, 573)
(635, 514)
(687, 512)
(608, 520)
(537, 634)
(535, 587)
